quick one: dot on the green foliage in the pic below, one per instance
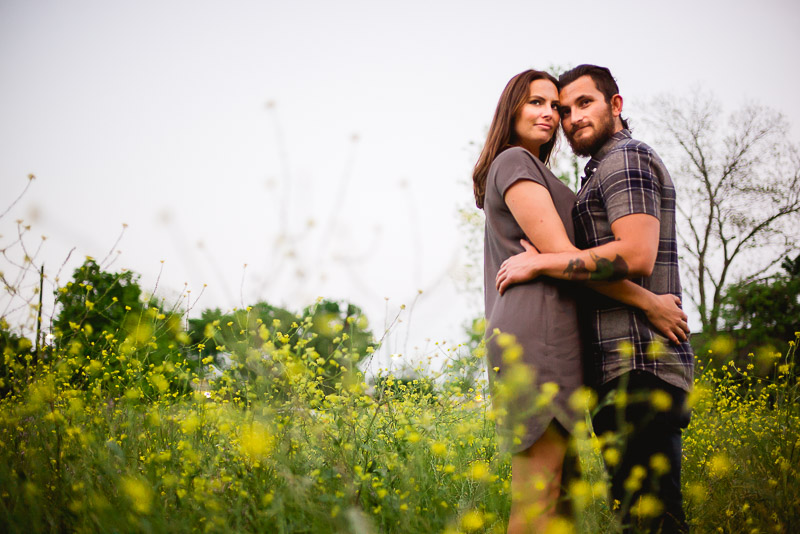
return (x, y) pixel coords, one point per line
(243, 459)
(421, 387)
(339, 333)
(303, 462)
(764, 312)
(239, 331)
(568, 168)
(96, 302)
(741, 469)
(99, 435)
(16, 357)
(104, 328)
(334, 335)
(465, 370)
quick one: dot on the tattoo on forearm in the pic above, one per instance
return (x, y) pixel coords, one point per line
(609, 270)
(576, 270)
(605, 269)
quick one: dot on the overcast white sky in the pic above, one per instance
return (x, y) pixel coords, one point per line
(324, 144)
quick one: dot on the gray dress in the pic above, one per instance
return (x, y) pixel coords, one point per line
(540, 314)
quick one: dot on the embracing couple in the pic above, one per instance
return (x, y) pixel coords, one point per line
(588, 285)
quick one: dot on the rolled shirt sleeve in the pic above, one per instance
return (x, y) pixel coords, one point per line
(634, 185)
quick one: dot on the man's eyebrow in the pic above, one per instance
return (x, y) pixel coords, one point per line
(580, 97)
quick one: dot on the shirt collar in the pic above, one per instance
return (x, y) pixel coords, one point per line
(598, 156)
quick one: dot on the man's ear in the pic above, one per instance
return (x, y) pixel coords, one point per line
(616, 105)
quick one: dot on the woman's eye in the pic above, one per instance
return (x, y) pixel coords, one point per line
(535, 102)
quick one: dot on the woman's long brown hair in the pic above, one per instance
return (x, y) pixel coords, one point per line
(501, 132)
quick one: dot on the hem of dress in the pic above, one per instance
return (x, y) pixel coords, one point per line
(530, 439)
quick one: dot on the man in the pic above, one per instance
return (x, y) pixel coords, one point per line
(625, 217)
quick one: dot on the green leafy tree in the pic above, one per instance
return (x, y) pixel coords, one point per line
(251, 338)
(96, 303)
(335, 335)
(110, 336)
(337, 332)
(766, 311)
(240, 331)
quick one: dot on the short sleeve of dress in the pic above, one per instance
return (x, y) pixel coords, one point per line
(515, 164)
(634, 186)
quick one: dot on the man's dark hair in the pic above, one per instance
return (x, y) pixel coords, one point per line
(602, 79)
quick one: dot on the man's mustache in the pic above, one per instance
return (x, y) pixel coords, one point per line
(575, 127)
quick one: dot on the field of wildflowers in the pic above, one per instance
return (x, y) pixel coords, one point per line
(114, 422)
(118, 435)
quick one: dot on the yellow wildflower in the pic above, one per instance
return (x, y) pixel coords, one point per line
(478, 471)
(719, 465)
(647, 506)
(472, 521)
(583, 399)
(256, 441)
(439, 448)
(559, 525)
(140, 495)
(659, 463)
(660, 400)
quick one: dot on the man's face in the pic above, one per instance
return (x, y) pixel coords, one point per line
(588, 120)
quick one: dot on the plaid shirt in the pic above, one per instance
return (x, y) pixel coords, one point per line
(625, 177)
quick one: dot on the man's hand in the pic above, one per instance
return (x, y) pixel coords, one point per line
(519, 268)
(667, 317)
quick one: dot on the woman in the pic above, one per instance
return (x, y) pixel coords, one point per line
(523, 200)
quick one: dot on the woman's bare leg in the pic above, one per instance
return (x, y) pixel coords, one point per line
(536, 481)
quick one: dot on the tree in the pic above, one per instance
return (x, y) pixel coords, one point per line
(335, 335)
(339, 334)
(738, 182)
(239, 331)
(96, 302)
(108, 336)
(765, 311)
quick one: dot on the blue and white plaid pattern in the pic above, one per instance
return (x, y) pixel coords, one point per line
(626, 177)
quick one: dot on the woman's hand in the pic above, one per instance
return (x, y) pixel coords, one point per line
(519, 268)
(668, 318)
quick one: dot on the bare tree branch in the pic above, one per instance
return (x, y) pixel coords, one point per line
(738, 181)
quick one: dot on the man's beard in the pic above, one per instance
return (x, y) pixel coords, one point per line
(588, 146)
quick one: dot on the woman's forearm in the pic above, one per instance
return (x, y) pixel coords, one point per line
(632, 253)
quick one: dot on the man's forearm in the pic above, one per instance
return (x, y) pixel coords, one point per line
(632, 254)
(604, 263)
(603, 269)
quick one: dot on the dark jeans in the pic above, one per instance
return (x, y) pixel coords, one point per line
(643, 428)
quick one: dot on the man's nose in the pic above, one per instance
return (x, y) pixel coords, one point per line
(576, 116)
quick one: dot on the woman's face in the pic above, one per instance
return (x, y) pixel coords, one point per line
(537, 121)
